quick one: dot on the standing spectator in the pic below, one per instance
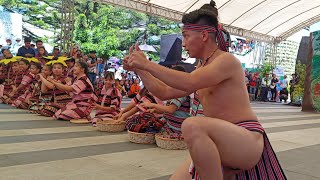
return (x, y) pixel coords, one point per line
(265, 82)
(85, 58)
(273, 87)
(16, 46)
(9, 45)
(39, 44)
(284, 83)
(73, 52)
(78, 56)
(92, 64)
(26, 50)
(100, 66)
(253, 83)
(56, 51)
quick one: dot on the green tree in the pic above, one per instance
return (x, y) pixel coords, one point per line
(81, 34)
(107, 29)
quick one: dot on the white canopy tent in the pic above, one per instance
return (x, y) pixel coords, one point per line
(265, 20)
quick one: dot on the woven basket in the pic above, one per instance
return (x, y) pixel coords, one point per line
(170, 144)
(141, 138)
(110, 126)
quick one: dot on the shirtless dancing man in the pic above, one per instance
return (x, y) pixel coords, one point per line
(228, 142)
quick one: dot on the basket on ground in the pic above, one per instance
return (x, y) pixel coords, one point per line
(141, 138)
(170, 144)
(110, 126)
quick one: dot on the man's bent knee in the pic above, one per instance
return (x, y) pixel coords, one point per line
(191, 129)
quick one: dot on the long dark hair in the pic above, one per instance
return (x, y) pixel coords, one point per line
(84, 66)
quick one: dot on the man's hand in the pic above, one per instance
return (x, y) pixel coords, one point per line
(29, 55)
(126, 65)
(137, 59)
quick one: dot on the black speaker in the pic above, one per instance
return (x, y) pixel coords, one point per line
(170, 49)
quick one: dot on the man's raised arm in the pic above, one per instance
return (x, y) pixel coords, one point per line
(158, 88)
(217, 71)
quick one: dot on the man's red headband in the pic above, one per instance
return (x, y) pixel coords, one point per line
(199, 28)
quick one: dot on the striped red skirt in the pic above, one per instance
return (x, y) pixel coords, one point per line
(268, 167)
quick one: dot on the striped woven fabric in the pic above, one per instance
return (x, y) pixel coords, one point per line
(196, 106)
(268, 167)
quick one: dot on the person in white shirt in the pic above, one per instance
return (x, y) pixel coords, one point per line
(284, 83)
(265, 83)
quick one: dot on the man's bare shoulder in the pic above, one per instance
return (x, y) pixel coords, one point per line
(228, 58)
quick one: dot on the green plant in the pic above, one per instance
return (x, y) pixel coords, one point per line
(299, 88)
(265, 68)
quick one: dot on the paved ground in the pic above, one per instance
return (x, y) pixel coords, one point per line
(33, 147)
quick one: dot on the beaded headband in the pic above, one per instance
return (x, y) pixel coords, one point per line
(199, 28)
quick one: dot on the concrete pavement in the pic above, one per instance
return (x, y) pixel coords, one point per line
(34, 147)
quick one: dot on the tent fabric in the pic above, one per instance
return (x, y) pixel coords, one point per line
(269, 18)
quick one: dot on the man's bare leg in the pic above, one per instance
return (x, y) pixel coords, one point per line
(213, 142)
(182, 173)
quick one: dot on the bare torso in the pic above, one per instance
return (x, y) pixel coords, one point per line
(229, 99)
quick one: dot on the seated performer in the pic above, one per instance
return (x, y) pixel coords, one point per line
(174, 112)
(69, 70)
(39, 98)
(109, 100)
(13, 79)
(229, 135)
(22, 102)
(129, 113)
(59, 97)
(26, 79)
(83, 97)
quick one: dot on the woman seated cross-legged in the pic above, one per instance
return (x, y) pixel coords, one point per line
(137, 122)
(23, 101)
(60, 97)
(174, 113)
(39, 98)
(109, 100)
(82, 92)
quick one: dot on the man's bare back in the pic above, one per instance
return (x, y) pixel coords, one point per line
(228, 100)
